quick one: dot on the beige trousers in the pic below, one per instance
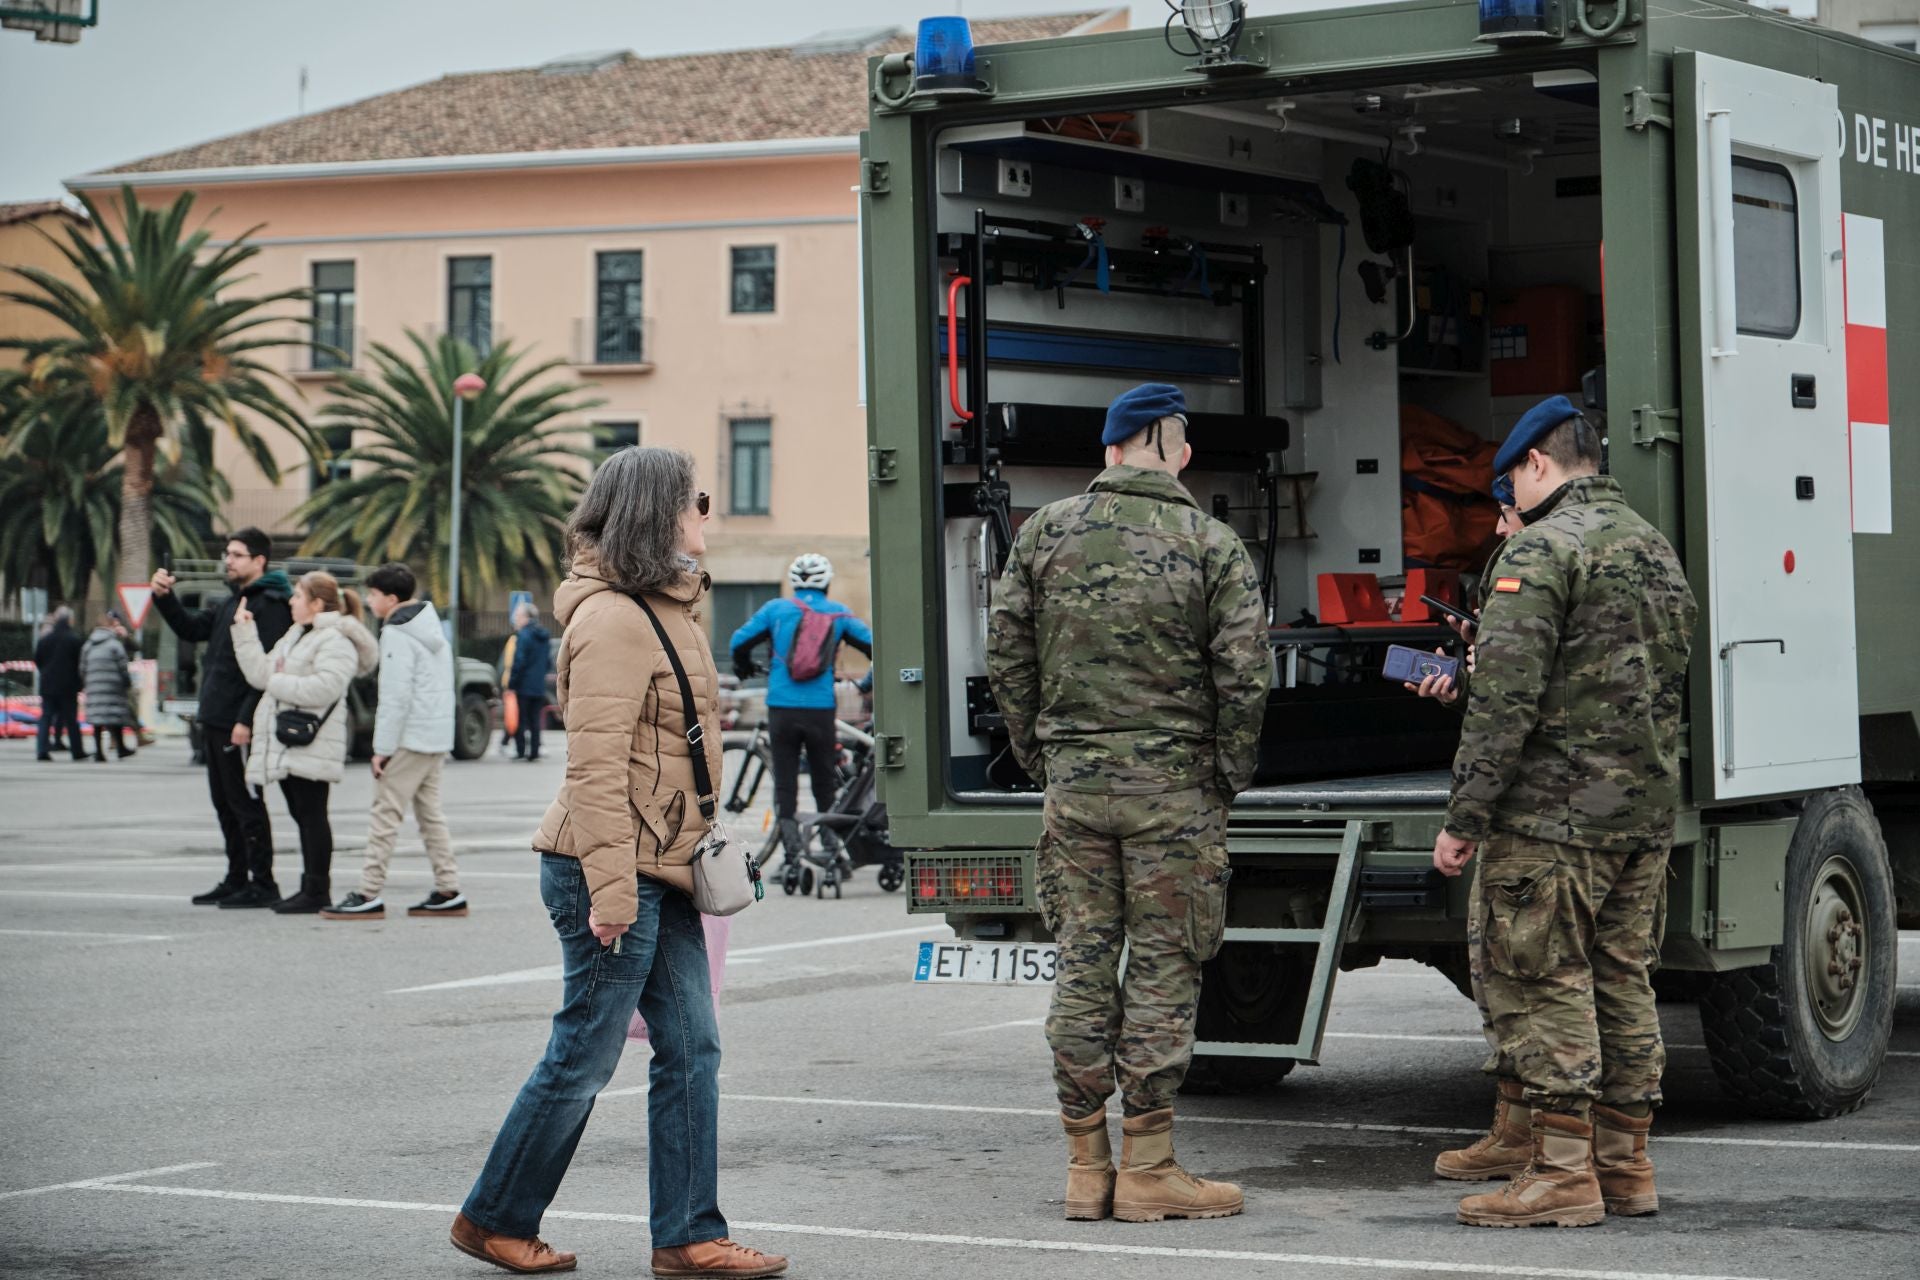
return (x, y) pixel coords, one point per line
(410, 778)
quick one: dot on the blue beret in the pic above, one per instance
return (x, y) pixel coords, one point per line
(1140, 408)
(1503, 490)
(1531, 430)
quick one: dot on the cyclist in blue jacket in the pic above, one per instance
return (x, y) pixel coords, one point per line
(800, 712)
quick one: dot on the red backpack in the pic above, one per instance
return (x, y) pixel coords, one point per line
(813, 645)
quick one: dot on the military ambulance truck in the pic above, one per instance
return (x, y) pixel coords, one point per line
(1702, 221)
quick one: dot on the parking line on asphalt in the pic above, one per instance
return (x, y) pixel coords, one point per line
(74, 933)
(1268, 1122)
(552, 971)
(88, 893)
(1432, 1266)
(91, 1183)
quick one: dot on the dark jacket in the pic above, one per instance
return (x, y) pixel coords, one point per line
(226, 699)
(532, 661)
(58, 657)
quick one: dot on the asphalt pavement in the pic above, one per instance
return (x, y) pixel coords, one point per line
(187, 1092)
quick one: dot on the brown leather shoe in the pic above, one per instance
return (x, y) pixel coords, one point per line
(1503, 1152)
(720, 1257)
(1620, 1161)
(527, 1257)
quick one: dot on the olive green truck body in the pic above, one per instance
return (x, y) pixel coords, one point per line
(1732, 199)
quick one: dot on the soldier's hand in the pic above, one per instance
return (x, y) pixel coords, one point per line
(162, 582)
(1451, 853)
(1464, 630)
(1438, 687)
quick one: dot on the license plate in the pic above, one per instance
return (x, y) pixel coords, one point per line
(1006, 963)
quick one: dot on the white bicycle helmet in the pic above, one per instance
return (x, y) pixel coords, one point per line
(811, 570)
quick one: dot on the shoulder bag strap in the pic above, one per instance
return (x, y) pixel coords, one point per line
(696, 732)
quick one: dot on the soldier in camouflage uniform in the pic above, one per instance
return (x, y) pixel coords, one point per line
(1567, 780)
(1128, 652)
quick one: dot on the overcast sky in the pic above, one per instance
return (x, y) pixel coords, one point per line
(161, 74)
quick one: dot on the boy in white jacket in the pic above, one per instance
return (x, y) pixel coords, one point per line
(412, 733)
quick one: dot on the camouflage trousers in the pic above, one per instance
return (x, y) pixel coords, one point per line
(1149, 872)
(1564, 944)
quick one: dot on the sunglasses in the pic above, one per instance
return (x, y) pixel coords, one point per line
(702, 503)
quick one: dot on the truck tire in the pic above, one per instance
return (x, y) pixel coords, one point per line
(474, 729)
(1803, 1036)
(1252, 992)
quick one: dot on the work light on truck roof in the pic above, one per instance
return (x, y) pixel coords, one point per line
(1214, 27)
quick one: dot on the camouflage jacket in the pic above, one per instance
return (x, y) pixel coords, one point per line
(1573, 716)
(1128, 643)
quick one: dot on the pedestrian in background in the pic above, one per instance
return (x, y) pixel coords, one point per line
(616, 879)
(510, 705)
(57, 656)
(412, 733)
(804, 633)
(109, 685)
(227, 704)
(310, 670)
(1566, 783)
(532, 664)
(1137, 699)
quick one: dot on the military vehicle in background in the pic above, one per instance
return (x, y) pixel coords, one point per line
(1700, 220)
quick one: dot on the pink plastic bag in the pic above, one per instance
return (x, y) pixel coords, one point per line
(716, 927)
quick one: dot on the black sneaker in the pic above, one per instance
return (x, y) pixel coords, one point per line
(440, 904)
(302, 903)
(219, 893)
(254, 895)
(356, 906)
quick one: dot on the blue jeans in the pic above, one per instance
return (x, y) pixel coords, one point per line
(662, 970)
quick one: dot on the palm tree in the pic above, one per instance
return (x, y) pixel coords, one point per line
(516, 488)
(60, 498)
(159, 337)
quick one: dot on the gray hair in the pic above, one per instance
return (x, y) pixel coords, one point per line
(629, 517)
(528, 610)
(60, 615)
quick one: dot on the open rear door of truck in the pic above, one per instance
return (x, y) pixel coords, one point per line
(1776, 702)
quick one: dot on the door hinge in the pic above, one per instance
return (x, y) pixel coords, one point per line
(890, 750)
(1640, 109)
(876, 177)
(1646, 426)
(883, 465)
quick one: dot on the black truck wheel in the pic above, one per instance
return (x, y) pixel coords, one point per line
(1803, 1036)
(1251, 993)
(474, 728)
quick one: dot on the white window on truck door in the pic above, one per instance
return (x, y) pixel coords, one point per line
(1766, 240)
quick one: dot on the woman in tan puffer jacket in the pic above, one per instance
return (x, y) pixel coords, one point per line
(615, 875)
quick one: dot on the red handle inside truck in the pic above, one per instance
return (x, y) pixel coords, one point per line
(953, 346)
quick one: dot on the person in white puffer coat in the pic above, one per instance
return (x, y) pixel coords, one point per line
(310, 670)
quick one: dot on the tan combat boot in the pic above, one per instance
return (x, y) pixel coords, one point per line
(1089, 1167)
(1153, 1186)
(1504, 1152)
(1620, 1161)
(1558, 1187)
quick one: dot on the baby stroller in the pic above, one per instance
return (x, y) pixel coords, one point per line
(824, 849)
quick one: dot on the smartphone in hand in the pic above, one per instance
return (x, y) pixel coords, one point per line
(1411, 666)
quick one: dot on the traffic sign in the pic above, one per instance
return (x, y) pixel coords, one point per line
(135, 599)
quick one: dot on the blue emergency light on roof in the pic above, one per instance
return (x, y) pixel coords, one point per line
(943, 59)
(1515, 20)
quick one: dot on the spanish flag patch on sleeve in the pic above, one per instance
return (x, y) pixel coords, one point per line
(1506, 584)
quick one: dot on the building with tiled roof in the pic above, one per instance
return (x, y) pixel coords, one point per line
(681, 231)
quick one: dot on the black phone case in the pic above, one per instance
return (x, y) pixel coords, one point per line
(1413, 666)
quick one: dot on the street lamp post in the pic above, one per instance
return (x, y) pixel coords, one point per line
(465, 388)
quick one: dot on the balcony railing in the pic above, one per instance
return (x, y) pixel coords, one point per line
(609, 341)
(268, 508)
